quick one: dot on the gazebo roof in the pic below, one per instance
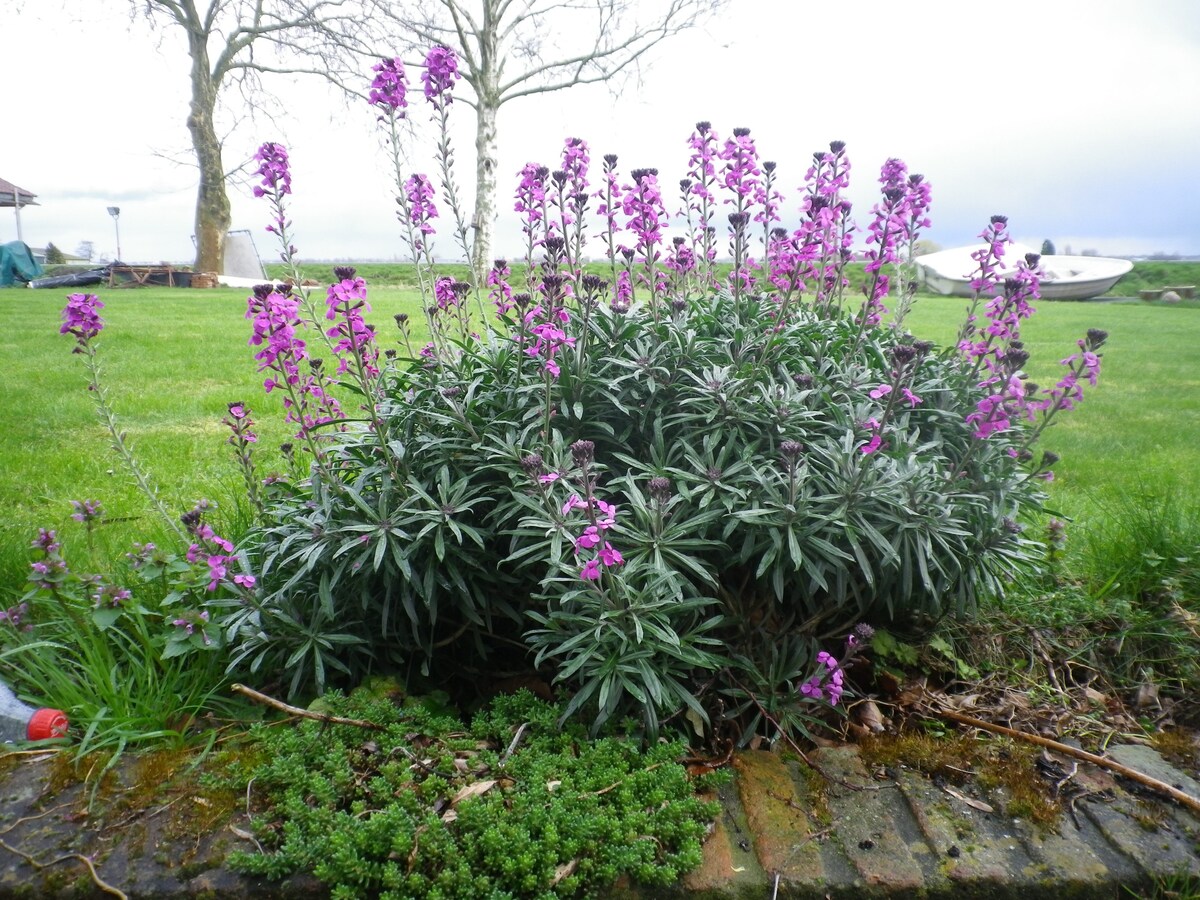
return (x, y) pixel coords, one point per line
(10, 194)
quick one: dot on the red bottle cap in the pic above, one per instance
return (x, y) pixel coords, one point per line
(47, 723)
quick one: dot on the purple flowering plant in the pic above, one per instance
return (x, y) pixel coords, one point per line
(759, 476)
(670, 488)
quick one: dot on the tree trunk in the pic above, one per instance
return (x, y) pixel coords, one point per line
(213, 215)
(487, 93)
(485, 186)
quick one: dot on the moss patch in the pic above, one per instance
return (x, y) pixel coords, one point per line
(995, 765)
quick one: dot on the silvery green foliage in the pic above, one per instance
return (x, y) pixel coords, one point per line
(766, 491)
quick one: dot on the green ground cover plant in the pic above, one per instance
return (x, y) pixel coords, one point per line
(510, 805)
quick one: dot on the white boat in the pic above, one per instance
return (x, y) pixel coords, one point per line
(1066, 277)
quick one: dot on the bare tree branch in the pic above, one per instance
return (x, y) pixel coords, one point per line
(233, 43)
(550, 45)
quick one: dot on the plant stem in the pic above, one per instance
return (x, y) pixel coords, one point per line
(120, 444)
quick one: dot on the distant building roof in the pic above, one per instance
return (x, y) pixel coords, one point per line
(10, 193)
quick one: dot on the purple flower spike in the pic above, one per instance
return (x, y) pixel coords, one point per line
(422, 210)
(276, 179)
(81, 317)
(441, 71)
(389, 87)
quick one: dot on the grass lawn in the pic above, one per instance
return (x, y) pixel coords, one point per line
(173, 359)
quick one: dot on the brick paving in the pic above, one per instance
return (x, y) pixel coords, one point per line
(903, 836)
(784, 832)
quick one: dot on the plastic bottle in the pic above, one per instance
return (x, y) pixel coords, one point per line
(21, 722)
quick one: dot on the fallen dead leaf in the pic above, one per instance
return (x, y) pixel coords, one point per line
(869, 716)
(970, 801)
(474, 789)
(961, 702)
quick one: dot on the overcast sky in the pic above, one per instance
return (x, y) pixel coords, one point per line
(1080, 121)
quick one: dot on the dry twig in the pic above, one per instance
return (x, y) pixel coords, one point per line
(301, 713)
(38, 864)
(1104, 762)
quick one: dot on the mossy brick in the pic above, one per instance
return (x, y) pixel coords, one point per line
(1076, 857)
(1158, 848)
(874, 825)
(726, 870)
(958, 835)
(776, 818)
(1150, 762)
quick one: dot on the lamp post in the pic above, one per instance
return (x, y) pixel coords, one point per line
(115, 212)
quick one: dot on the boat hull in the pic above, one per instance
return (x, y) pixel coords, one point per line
(1067, 277)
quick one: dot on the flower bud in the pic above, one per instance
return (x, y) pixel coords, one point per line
(583, 452)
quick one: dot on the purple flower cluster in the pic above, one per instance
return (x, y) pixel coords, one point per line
(500, 292)
(990, 257)
(698, 192)
(194, 621)
(813, 255)
(14, 617)
(548, 336)
(276, 316)
(273, 167)
(441, 71)
(345, 301)
(207, 546)
(995, 412)
(420, 192)
(1082, 365)
(887, 233)
(240, 424)
(910, 399)
(389, 87)
(109, 596)
(531, 202)
(828, 682)
(643, 203)
(276, 183)
(623, 298)
(575, 162)
(741, 173)
(81, 317)
(601, 516)
(875, 431)
(49, 571)
(86, 511)
(682, 259)
(1005, 311)
(610, 203)
(449, 293)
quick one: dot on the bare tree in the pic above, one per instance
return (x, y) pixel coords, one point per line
(231, 44)
(515, 48)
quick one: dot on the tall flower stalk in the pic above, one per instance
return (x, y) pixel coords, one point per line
(700, 201)
(81, 318)
(826, 227)
(742, 177)
(610, 203)
(415, 208)
(643, 205)
(441, 71)
(536, 224)
(243, 439)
